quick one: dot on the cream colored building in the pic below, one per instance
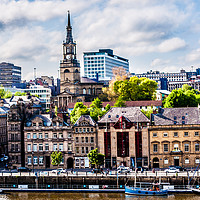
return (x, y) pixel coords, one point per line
(42, 136)
(175, 138)
(85, 140)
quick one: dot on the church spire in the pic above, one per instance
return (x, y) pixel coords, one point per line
(69, 38)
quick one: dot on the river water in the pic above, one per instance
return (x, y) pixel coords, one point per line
(90, 196)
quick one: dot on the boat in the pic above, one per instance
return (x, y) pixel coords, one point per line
(145, 191)
(195, 190)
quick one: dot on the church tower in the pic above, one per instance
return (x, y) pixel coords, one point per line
(69, 66)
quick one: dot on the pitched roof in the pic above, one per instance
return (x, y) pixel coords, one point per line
(85, 118)
(132, 113)
(170, 116)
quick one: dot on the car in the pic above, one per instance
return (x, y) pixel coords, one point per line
(178, 167)
(97, 170)
(172, 170)
(59, 170)
(23, 169)
(123, 169)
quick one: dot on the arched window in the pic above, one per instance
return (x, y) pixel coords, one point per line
(89, 91)
(76, 71)
(84, 91)
(94, 91)
(166, 161)
(77, 90)
(66, 71)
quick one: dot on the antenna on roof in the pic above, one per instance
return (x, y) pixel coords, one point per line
(34, 73)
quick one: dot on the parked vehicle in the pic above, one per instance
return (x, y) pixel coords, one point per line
(179, 167)
(172, 170)
(59, 170)
(23, 169)
(123, 169)
(97, 170)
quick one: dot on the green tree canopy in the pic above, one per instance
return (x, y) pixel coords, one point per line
(120, 103)
(181, 98)
(2, 92)
(20, 93)
(56, 158)
(96, 158)
(135, 89)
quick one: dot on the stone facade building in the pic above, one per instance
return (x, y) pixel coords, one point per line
(74, 88)
(44, 135)
(175, 137)
(85, 140)
(123, 137)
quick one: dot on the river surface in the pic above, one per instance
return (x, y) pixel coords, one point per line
(90, 196)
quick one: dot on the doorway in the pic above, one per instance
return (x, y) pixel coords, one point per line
(70, 163)
(155, 163)
(47, 158)
(176, 161)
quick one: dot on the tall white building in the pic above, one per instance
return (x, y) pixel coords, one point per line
(101, 63)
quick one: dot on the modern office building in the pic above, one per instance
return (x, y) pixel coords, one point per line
(101, 63)
(9, 74)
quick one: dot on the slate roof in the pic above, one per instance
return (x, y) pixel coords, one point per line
(85, 118)
(87, 80)
(167, 116)
(132, 113)
(45, 118)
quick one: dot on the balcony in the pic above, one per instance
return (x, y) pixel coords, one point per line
(176, 152)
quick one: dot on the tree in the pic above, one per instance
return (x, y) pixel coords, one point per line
(56, 158)
(180, 98)
(8, 94)
(96, 103)
(119, 74)
(20, 94)
(120, 103)
(96, 158)
(2, 92)
(135, 89)
(148, 112)
(79, 109)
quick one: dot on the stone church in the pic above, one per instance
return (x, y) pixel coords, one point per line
(74, 88)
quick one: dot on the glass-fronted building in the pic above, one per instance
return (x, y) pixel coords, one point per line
(9, 74)
(101, 63)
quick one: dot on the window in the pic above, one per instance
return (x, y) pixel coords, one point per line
(29, 160)
(86, 149)
(84, 130)
(175, 122)
(187, 161)
(197, 160)
(34, 135)
(35, 160)
(155, 148)
(40, 135)
(176, 147)
(183, 117)
(69, 147)
(175, 117)
(77, 139)
(91, 130)
(82, 150)
(40, 147)
(54, 123)
(77, 149)
(76, 130)
(41, 160)
(28, 136)
(46, 147)
(166, 161)
(40, 124)
(55, 135)
(60, 147)
(34, 124)
(175, 134)
(80, 130)
(185, 134)
(88, 130)
(196, 134)
(154, 134)
(92, 148)
(165, 134)
(165, 147)
(34, 147)
(60, 135)
(46, 135)
(196, 147)
(55, 147)
(186, 147)
(86, 139)
(183, 122)
(69, 135)
(92, 139)
(16, 147)
(29, 147)
(82, 139)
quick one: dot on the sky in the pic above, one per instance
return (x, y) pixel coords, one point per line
(152, 34)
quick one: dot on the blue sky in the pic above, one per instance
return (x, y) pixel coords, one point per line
(152, 34)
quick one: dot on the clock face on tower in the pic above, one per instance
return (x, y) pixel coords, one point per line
(68, 57)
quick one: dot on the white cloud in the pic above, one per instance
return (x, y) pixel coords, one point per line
(193, 56)
(159, 62)
(172, 44)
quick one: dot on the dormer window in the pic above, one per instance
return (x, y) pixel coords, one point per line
(183, 117)
(117, 116)
(109, 116)
(40, 124)
(175, 117)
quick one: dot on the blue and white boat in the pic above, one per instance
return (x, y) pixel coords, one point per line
(145, 191)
